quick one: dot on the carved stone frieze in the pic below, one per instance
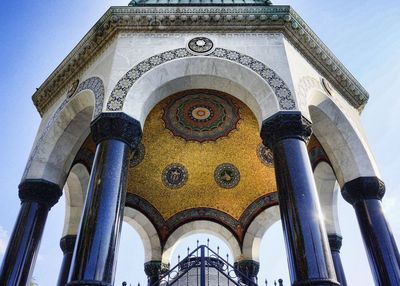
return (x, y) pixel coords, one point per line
(274, 19)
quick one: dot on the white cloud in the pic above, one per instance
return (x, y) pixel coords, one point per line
(3, 240)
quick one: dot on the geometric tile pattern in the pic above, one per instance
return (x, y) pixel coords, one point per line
(120, 91)
(200, 115)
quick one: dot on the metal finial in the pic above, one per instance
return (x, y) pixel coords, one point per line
(124, 283)
(266, 282)
(280, 282)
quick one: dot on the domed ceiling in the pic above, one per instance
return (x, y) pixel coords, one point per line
(201, 149)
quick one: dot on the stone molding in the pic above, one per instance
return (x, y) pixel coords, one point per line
(40, 191)
(282, 92)
(285, 125)
(94, 84)
(116, 125)
(67, 243)
(363, 188)
(281, 19)
(250, 268)
(335, 242)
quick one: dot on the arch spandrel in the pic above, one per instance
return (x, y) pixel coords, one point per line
(268, 90)
(64, 132)
(341, 138)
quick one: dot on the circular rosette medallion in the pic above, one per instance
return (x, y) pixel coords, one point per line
(227, 176)
(137, 156)
(174, 176)
(265, 155)
(201, 115)
(200, 45)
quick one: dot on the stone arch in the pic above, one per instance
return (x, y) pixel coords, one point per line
(231, 65)
(201, 226)
(256, 231)
(342, 139)
(75, 192)
(64, 132)
(147, 232)
(328, 190)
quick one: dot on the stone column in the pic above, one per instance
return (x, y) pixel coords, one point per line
(248, 268)
(309, 258)
(153, 271)
(335, 243)
(365, 194)
(37, 197)
(67, 244)
(94, 259)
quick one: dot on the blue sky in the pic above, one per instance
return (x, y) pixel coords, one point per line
(37, 35)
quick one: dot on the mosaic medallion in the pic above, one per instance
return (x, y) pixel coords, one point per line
(200, 45)
(227, 176)
(265, 155)
(174, 176)
(137, 156)
(73, 88)
(201, 115)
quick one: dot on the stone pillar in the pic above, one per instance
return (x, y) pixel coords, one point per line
(94, 258)
(153, 271)
(365, 194)
(248, 268)
(37, 197)
(309, 258)
(335, 243)
(67, 244)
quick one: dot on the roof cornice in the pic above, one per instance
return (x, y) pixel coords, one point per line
(282, 19)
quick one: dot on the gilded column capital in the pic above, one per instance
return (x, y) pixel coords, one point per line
(285, 125)
(116, 125)
(40, 191)
(363, 188)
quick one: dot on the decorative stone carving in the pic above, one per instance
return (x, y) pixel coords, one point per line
(267, 19)
(363, 188)
(120, 91)
(117, 126)
(200, 45)
(40, 191)
(284, 125)
(227, 176)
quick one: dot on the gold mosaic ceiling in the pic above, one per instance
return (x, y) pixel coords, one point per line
(201, 148)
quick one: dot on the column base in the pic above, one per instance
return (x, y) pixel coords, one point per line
(317, 282)
(88, 283)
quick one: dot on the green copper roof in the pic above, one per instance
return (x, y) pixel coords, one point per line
(198, 2)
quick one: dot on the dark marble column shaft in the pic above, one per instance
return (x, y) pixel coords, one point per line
(248, 268)
(67, 244)
(335, 243)
(309, 257)
(153, 271)
(95, 254)
(37, 197)
(365, 194)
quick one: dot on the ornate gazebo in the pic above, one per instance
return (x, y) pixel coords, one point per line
(200, 116)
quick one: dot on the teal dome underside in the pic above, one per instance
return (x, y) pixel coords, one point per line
(198, 2)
